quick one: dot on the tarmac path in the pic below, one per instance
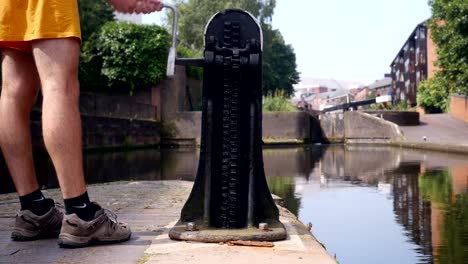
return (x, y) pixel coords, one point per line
(438, 128)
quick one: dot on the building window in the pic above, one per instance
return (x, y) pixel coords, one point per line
(422, 58)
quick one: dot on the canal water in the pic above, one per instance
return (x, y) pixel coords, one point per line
(366, 204)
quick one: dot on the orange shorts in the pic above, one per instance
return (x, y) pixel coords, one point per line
(22, 21)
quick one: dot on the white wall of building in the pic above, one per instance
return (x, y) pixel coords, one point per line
(132, 18)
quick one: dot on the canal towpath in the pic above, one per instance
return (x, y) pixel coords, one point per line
(440, 132)
(152, 208)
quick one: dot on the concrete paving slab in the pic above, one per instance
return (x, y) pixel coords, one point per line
(299, 247)
(152, 208)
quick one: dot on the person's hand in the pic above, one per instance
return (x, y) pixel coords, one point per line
(148, 6)
(136, 6)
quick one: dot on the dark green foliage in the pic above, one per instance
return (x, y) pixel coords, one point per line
(279, 64)
(449, 26)
(90, 67)
(279, 60)
(433, 94)
(125, 56)
(93, 14)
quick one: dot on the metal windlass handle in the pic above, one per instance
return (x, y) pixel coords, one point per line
(172, 50)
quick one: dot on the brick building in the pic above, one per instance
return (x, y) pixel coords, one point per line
(413, 63)
(316, 94)
(377, 88)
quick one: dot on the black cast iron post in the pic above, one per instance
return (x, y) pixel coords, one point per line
(230, 198)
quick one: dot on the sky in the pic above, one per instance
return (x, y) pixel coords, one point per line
(341, 39)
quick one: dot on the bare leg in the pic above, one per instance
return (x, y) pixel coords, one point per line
(20, 85)
(57, 64)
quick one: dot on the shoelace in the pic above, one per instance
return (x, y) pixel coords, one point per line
(111, 215)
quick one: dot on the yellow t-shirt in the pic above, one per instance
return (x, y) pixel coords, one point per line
(22, 21)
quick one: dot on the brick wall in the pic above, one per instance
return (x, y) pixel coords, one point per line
(431, 55)
(459, 107)
(144, 104)
(107, 131)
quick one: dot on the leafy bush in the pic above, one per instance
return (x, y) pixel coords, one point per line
(277, 103)
(433, 95)
(126, 56)
(402, 105)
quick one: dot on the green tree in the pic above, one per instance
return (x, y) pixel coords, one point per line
(194, 14)
(449, 25)
(94, 14)
(279, 63)
(279, 59)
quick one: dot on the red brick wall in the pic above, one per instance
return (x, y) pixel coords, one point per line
(459, 107)
(361, 95)
(431, 55)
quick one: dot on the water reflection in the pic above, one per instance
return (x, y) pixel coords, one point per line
(366, 204)
(148, 164)
(449, 223)
(281, 165)
(380, 204)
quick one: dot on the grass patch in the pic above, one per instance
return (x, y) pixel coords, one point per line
(277, 103)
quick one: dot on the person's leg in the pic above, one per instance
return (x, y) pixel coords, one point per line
(84, 222)
(57, 63)
(20, 85)
(38, 216)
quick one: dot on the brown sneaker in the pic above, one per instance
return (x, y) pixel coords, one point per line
(29, 226)
(103, 229)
